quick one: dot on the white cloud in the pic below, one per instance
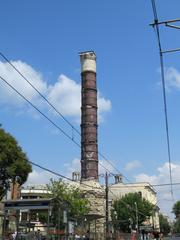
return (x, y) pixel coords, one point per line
(39, 177)
(65, 94)
(104, 166)
(132, 165)
(74, 166)
(8, 96)
(162, 176)
(104, 105)
(172, 77)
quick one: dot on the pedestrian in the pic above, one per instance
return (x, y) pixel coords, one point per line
(156, 235)
(38, 235)
(77, 237)
(87, 235)
(142, 234)
(14, 235)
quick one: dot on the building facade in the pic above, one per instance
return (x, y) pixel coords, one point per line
(145, 189)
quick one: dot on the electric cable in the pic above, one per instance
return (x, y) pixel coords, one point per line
(69, 179)
(164, 91)
(35, 164)
(37, 109)
(57, 111)
(150, 185)
(35, 88)
(46, 117)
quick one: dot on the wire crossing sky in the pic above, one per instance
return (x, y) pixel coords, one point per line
(43, 39)
(156, 26)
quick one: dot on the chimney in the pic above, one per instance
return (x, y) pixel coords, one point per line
(76, 176)
(89, 147)
(118, 178)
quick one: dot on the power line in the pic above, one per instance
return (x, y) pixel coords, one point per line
(37, 165)
(37, 109)
(58, 112)
(45, 99)
(45, 116)
(58, 174)
(69, 179)
(150, 185)
(100, 154)
(156, 27)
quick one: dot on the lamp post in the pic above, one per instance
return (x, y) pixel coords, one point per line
(115, 225)
(130, 224)
(136, 209)
(106, 175)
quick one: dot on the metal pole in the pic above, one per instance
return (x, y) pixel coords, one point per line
(136, 216)
(95, 229)
(58, 232)
(48, 232)
(17, 223)
(4, 225)
(171, 50)
(107, 207)
(165, 22)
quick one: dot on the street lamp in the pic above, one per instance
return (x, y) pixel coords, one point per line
(136, 209)
(115, 221)
(130, 224)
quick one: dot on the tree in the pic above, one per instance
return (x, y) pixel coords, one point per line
(176, 209)
(14, 166)
(164, 224)
(176, 226)
(129, 209)
(68, 197)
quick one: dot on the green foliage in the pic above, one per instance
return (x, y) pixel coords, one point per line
(125, 210)
(14, 164)
(68, 197)
(164, 224)
(176, 209)
(176, 227)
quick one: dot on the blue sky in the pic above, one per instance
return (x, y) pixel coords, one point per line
(43, 39)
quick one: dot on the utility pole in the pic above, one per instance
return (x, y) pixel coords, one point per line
(107, 206)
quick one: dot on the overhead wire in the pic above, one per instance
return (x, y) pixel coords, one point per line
(46, 117)
(87, 185)
(47, 169)
(33, 163)
(130, 185)
(37, 109)
(156, 27)
(59, 113)
(83, 183)
(42, 95)
(73, 128)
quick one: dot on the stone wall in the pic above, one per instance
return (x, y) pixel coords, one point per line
(95, 193)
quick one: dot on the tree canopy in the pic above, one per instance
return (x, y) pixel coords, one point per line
(176, 209)
(14, 166)
(68, 197)
(130, 208)
(164, 224)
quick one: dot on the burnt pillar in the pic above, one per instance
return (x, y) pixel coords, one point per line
(89, 147)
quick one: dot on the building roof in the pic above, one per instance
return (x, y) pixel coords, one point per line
(134, 185)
